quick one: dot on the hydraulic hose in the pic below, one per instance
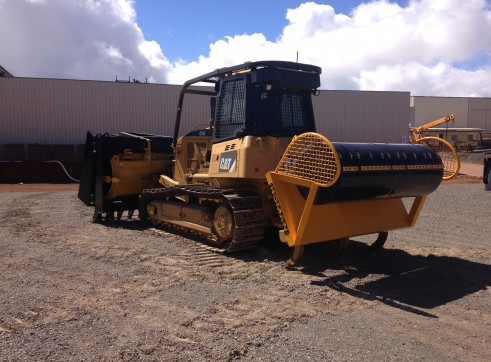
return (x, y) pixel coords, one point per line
(53, 161)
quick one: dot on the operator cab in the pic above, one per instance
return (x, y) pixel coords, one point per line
(267, 98)
(257, 103)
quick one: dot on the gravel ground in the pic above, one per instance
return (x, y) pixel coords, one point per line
(72, 290)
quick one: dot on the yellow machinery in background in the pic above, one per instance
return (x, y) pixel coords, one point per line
(448, 154)
(260, 165)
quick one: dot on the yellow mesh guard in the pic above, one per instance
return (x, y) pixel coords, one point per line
(448, 154)
(311, 157)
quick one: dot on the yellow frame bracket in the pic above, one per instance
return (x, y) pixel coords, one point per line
(309, 223)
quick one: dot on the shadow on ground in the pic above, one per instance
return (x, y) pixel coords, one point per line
(396, 277)
(392, 276)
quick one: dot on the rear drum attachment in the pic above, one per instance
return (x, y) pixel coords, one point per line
(359, 171)
(333, 191)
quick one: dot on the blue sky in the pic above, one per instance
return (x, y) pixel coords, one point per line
(186, 28)
(426, 47)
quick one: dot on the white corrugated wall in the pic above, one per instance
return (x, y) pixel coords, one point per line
(363, 116)
(480, 113)
(53, 111)
(469, 112)
(427, 109)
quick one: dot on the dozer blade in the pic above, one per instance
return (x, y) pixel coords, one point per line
(86, 188)
(116, 169)
(326, 191)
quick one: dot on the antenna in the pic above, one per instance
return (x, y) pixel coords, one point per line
(297, 56)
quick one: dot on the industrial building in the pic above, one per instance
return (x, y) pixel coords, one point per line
(472, 124)
(54, 111)
(469, 112)
(47, 119)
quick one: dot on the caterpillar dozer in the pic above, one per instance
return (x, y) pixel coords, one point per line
(259, 164)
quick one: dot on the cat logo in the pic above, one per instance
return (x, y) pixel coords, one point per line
(228, 161)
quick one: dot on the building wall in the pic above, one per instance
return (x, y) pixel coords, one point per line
(53, 111)
(469, 112)
(363, 116)
(61, 111)
(480, 113)
(427, 109)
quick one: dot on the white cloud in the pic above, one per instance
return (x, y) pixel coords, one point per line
(443, 80)
(81, 39)
(379, 46)
(429, 47)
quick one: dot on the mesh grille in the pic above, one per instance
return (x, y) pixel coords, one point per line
(280, 112)
(311, 157)
(292, 110)
(230, 113)
(447, 154)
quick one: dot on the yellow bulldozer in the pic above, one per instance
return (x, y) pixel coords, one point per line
(259, 165)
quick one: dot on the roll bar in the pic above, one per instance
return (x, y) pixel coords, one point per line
(215, 76)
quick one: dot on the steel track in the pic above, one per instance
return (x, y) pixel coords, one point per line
(246, 207)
